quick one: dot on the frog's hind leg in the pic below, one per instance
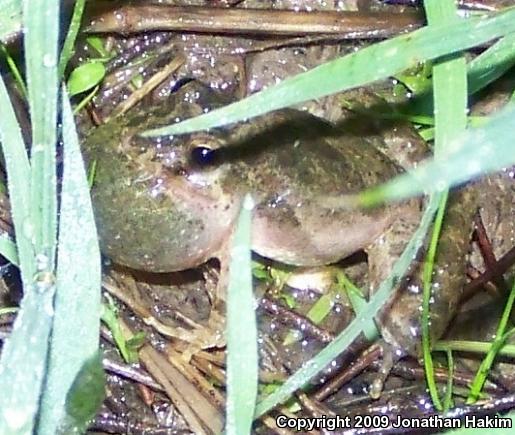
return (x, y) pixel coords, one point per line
(382, 255)
(217, 285)
(399, 321)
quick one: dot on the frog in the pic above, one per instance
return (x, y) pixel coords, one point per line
(170, 203)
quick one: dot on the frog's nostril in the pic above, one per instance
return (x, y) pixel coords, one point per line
(202, 155)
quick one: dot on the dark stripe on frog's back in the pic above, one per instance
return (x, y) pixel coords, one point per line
(293, 149)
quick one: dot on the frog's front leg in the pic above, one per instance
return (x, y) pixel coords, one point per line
(399, 321)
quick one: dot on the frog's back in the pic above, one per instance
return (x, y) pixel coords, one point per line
(293, 150)
(291, 161)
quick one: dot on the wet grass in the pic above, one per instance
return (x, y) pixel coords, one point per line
(242, 350)
(56, 331)
(450, 115)
(375, 62)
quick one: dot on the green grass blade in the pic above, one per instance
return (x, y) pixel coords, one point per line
(358, 303)
(73, 30)
(344, 339)
(473, 347)
(475, 152)
(242, 352)
(41, 20)
(499, 339)
(447, 401)
(482, 70)
(10, 19)
(24, 353)
(18, 182)
(77, 301)
(491, 64)
(449, 85)
(450, 104)
(15, 71)
(369, 64)
(426, 281)
(24, 358)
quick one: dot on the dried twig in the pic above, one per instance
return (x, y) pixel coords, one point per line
(347, 25)
(295, 320)
(362, 362)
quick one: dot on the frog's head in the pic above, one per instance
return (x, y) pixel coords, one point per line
(168, 160)
(192, 159)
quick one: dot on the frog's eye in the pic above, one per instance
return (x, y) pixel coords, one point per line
(202, 156)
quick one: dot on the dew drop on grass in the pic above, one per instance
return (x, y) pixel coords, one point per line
(248, 203)
(48, 60)
(28, 229)
(16, 418)
(42, 262)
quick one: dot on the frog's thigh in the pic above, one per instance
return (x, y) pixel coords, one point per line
(400, 320)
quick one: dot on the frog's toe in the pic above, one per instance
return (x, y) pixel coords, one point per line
(391, 354)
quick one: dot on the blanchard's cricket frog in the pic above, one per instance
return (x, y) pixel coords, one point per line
(170, 203)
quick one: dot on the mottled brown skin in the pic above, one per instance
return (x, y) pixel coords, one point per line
(400, 320)
(160, 210)
(151, 216)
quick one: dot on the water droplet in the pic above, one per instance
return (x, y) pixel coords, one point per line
(16, 418)
(28, 229)
(48, 60)
(248, 203)
(42, 262)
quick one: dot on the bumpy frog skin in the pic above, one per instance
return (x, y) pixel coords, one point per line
(170, 204)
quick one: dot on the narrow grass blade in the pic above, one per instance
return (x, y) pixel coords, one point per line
(24, 354)
(77, 300)
(472, 347)
(427, 294)
(10, 19)
(242, 352)
(24, 358)
(18, 182)
(73, 30)
(344, 339)
(475, 152)
(358, 303)
(369, 64)
(450, 104)
(447, 401)
(15, 71)
(491, 64)
(41, 21)
(499, 339)
(481, 71)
